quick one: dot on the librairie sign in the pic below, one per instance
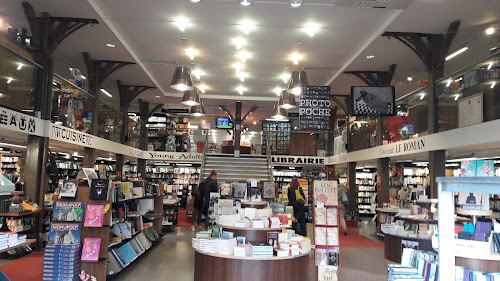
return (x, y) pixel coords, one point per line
(298, 160)
(174, 156)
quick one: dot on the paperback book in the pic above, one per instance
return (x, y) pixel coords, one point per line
(68, 211)
(333, 257)
(94, 216)
(327, 273)
(68, 189)
(331, 216)
(91, 247)
(320, 235)
(320, 216)
(99, 189)
(217, 231)
(332, 236)
(321, 257)
(64, 233)
(272, 239)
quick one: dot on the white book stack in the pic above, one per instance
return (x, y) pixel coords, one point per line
(203, 234)
(12, 240)
(275, 222)
(229, 220)
(3, 241)
(199, 244)
(21, 238)
(242, 250)
(211, 246)
(226, 246)
(250, 213)
(258, 224)
(264, 213)
(282, 237)
(282, 253)
(260, 249)
(243, 223)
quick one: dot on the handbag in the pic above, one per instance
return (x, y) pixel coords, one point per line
(299, 198)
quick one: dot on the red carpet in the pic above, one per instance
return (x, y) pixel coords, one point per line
(182, 220)
(356, 240)
(27, 268)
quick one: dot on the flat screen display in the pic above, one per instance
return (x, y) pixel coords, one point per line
(223, 123)
(373, 101)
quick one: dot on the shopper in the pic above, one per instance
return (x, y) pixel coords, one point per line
(343, 202)
(210, 186)
(298, 207)
(198, 205)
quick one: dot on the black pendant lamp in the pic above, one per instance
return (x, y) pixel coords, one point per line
(197, 110)
(298, 80)
(279, 113)
(191, 98)
(287, 100)
(182, 79)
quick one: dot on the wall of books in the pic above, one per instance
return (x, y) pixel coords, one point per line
(276, 135)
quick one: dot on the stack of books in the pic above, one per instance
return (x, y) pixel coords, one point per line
(226, 246)
(211, 246)
(199, 244)
(241, 250)
(260, 249)
(402, 272)
(3, 241)
(12, 240)
(274, 222)
(21, 238)
(62, 262)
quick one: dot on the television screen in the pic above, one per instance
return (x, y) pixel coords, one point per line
(223, 123)
(373, 101)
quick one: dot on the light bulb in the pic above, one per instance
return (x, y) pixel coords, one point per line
(191, 53)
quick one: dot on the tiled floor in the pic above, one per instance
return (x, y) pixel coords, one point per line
(174, 258)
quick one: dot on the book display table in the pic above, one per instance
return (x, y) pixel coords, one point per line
(393, 246)
(252, 234)
(217, 267)
(256, 205)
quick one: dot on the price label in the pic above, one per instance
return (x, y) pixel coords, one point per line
(78, 211)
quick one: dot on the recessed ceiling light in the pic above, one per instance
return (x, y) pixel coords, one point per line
(158, 97)
(239, 42)
(19, 66)
(203, 88)
(106, 93)
(110, 45)
(246, 26)
(182, 23)
(493, 85)
(409, 78)
(285, 77)
(243, 56)
(255, 123)
(490, 65)
(448, 83)
(242, 76)
(240, 89)
(245, 2)
(490, 30)
(9, 79)
(198, 73)
(456, 53)
(238, 66)
(83, 77)
(370, 56)
(295, 3)
(191, 53)
(296, 57)
(311, 29)
(195, 1)
(277, 90)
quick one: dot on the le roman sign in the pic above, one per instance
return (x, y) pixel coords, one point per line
(314, 112)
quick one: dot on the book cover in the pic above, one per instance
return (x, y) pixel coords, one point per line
(68, 189)
(99, 189)
(320, 235)
(240, 240)
(325, 192)
(327, 273)
(127, 253)
(333, 257)
(268, 190)
(331, 216)
(272, 239)
(94, 216)
(320, 216)
(91, 247)
(64, 233)
(227, 234)
(217, 231)
(321, 257)
(332, 236)
(68, 211)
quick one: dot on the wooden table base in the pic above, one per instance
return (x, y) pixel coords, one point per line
(211, 268)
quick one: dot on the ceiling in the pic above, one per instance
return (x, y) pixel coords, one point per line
(144, 32)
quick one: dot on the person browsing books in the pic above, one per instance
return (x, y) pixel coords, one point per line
(198, 205)
(343, 202)
(210, 186)
(298, 207)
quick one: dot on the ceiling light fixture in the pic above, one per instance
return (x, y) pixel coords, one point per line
(243, 56)
(277, 90)
(195, 1)
(457, 96)
(240, 89)
(296, 57)
(311, 29)
(490, 30)
(203, 88)
(20, 65)
(157, 97)
(242, 76)
(110, 45)
(285, 77)
(297, 81)
(182, 23)
(83, 77)
(182, 79)
(493, 85)
(245, 3)
(490, 65)
(191, 53)
(456, 53)
(13, 145)
(422, 96)
(106, 92)
(239, 42)
(238, 66)
(246, 26)
(370, 56)
(197, 110)
(287, 100)
(278, 113)
(448, 83)
(255, 123)
(296, 3)
(409, 78)
(9, 79)
(198, 73)
(191, 97)
(459, 79)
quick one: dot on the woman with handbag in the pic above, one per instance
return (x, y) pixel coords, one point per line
(297, 199)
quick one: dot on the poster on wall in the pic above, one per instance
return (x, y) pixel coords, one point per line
(373, 101)
(470, 110)
(325, 193)
(314, 113)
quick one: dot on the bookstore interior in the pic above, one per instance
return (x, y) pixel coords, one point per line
(295, 140)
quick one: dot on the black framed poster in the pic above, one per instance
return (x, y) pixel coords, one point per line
(314, 112)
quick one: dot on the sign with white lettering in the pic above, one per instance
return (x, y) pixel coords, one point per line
(314, 113)
(325, 192)
(297, 160)
(174, 156)
(20, 122)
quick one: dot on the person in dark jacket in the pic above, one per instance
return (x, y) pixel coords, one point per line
(210, 186)
(198, 205)
(298, 209)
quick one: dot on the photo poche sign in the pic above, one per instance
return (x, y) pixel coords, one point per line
(314, 113)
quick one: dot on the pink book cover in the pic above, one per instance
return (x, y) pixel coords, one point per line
(91, 247)
(94, 216)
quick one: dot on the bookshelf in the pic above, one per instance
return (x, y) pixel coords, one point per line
(160, 127)
(365, 182)
(277, 136)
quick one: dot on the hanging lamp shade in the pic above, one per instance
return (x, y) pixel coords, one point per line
(298, 79)
(182, 79)
(197, 110)
(191, 98)
(287, 100)
(279, 113)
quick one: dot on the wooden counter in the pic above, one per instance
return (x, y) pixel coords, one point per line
(256, 205)
(392, 246)
(251, 234)
(216, 267)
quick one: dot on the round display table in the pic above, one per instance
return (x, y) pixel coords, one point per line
(393, 247)
(256, 205)
(252, 234)
(217, 267)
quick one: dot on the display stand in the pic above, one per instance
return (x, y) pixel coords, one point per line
(217, 267)
(252, 234)
(256, 205)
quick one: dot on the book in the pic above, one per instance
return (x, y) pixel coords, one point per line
(99, 189)
(320, 235)
(333, 257)
(320, 216)
(240, 240)
(64, 233)
(68, 211)
(217, 231)
(90, 250)
(94, 216)
(227, 234)
(268, 190)
(123, 230)
(321, 257)
(127, 253)
(331, 216)
(68, 189)
(332, 236)
(272, 239)
(327, 273)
